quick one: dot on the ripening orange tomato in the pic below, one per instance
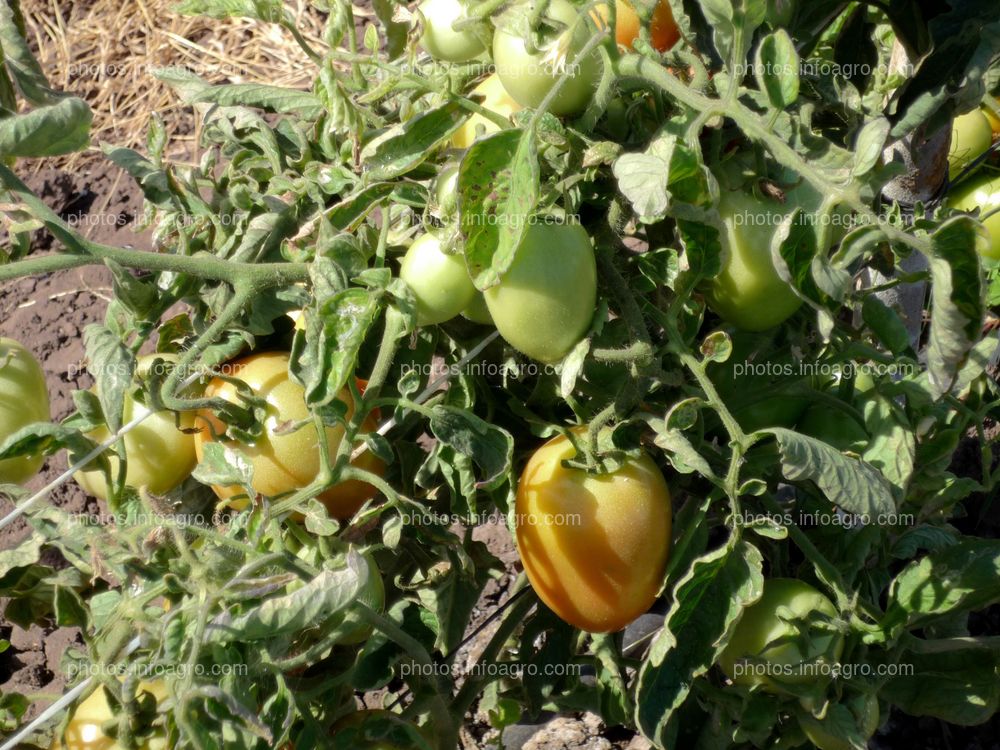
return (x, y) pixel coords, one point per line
(283, 460)
(594, 547)
(663, 32)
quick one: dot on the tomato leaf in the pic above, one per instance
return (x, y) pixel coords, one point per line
(962, 577)
(491, 447)
(498, 191)
(777, 69)
(848, 483)
(316, 601)
(708, 601)
(47, 131)
(957, 307)
(955, 680)
(406, 146)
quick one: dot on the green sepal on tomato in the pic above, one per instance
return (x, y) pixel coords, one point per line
(24, 400)
(594, 546)
(545, 302)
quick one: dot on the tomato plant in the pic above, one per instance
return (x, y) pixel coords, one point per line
(159, 452)
(777, 641)
(594, 546)
(23, 400)
(529, 76)
(543, 305)
(285, 456)
(439, 280)
(676, 247)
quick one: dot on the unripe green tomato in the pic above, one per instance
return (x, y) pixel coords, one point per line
(159, 454)
(545, 302)
(439, 281)
(440, 39)
(529, 77)
(446, 192)
(863, 709)
(594, 547)
(748, 291)
(791, 661)
(982, 193)
(23, 401)
(971, 137)
(477, 311)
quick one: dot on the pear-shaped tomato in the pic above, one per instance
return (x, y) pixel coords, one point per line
(545, 302)
(23, 401)
(159, 451)
(594, 547)
(285, 457)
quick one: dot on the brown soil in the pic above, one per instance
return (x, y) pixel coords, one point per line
(48, 314)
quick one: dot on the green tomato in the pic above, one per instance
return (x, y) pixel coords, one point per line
(439, 281)
(446, 192)
(545, 302)
(748, 291)
(159, 454)
(440, 39)
(477, 311)
(982, 193)
(529, 77)
(834, 427)
(858, 716)
(23, 401)
(971, 137)
(754, 386)
(766, 651)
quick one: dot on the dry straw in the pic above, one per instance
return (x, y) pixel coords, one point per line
(105, 51)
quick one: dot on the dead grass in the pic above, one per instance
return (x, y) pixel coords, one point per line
(106, 52)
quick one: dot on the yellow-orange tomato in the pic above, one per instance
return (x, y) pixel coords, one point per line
(84, 729)
(993, 117)
(283, 460)
(663, 32)
(496, 99)
(594, 547)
